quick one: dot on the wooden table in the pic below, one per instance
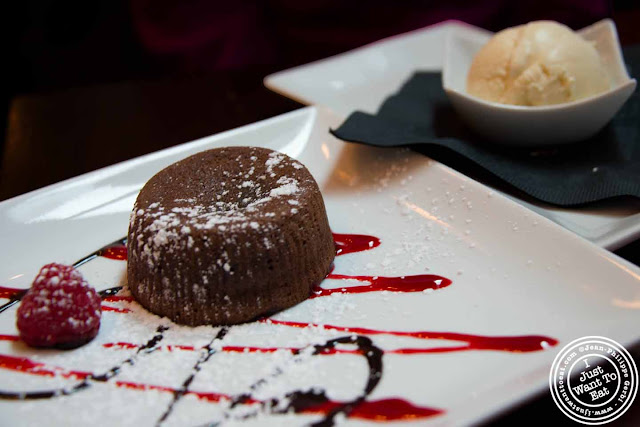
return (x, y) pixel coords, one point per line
(59, 135)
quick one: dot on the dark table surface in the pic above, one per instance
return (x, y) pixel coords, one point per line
(62, 134)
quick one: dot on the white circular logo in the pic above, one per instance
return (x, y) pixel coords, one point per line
(593, 380)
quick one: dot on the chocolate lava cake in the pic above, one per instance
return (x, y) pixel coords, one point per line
(228, 235)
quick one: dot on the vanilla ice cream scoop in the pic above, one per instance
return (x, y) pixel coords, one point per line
(540, 63)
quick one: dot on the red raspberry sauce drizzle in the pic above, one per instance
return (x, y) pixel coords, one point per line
(514, 344)
(10, 293)
(415, 283)
(117, 252)
(349, 243)
(518, 343)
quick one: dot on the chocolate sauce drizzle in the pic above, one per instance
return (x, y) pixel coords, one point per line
(106, 293)
(100, 252)
(209, 351)
(149, 347)
(13, 299)
(299, 401)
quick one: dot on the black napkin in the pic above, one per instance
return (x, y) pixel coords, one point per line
(421, 117)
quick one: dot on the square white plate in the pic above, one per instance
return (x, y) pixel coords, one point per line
(513, 273)
(361, 79)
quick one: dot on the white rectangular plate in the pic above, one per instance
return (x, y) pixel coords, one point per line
(513, 272)
(363, 78)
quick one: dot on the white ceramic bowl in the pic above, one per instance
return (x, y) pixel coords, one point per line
(544, 125)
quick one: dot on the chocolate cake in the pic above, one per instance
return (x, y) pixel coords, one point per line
(228, 235)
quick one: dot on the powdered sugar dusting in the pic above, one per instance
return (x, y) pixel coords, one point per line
(288, 187)
(249, 198)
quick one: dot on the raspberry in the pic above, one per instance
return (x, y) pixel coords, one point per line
(59, 310)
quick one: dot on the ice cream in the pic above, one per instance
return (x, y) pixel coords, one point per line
(540, 63)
